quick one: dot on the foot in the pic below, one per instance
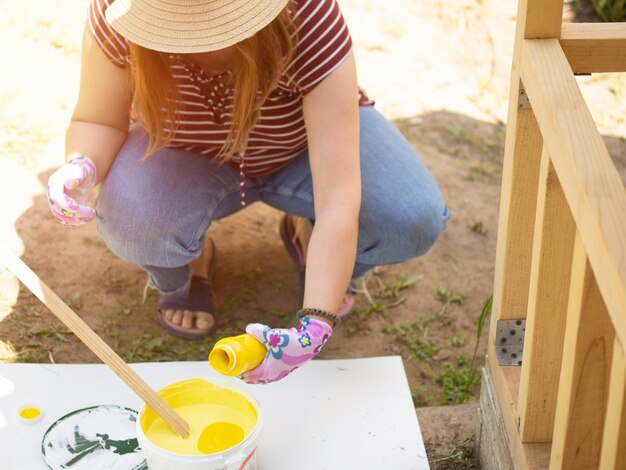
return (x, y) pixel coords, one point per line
(188, 319)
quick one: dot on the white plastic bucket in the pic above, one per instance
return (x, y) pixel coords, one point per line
(241, 456)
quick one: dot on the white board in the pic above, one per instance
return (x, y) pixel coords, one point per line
(328, 415)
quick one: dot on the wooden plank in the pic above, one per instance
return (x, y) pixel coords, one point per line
(547, 307)
(520, 176)
(506, 388)
(590, 181)
(613, 454)
(584, 381)
(542, 19)
(522, 154)
(595, 47)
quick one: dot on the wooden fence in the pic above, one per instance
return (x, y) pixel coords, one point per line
(554, 388)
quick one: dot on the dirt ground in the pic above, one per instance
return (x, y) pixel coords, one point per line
(439, 70)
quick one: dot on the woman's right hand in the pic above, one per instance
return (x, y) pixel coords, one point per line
(68, 188)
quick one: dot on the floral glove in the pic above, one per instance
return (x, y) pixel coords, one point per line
(68, 188)
(287, 349)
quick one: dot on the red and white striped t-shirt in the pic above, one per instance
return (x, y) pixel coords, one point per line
(205, 103)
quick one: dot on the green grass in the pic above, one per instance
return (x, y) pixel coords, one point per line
(421, 348)
(457, 382)
(359, 317)
(459, 379)
(418, 394)
(74, 301)
(392, 290)
(610, 10)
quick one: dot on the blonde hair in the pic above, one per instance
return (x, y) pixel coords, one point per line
(259, 62)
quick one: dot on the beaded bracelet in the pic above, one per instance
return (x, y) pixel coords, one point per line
(318, 312)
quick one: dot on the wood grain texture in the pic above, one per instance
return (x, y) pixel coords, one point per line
(584, 381)
(520, 176)
(547, 307)
(543, 18)
(595, 47)
(590, 181)
(613, 455)
(92, 340)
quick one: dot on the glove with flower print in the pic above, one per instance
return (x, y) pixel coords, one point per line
(68, 188)
(287, 349)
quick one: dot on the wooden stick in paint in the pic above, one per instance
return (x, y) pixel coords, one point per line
(92, 340)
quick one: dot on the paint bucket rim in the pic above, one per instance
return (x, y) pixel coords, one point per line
(222, 455)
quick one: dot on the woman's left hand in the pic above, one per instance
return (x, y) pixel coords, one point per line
(287, 349)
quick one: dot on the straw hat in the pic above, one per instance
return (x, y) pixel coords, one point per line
(185, 26)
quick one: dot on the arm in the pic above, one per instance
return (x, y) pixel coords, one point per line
(331, 116)
(101, 117)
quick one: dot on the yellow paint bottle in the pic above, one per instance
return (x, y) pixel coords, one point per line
(236, 354)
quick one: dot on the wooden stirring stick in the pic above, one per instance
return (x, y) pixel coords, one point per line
(92, 340)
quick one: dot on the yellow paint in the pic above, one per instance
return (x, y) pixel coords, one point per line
(237, 354)
(30, 412)
(219, 418)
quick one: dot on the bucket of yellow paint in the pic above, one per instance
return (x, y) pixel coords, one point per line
(225, 422)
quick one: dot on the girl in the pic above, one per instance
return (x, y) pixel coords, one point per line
(190, 110)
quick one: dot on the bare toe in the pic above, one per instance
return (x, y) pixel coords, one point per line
(177, 318)
(188, 318)
(168, 314)
(204, 321)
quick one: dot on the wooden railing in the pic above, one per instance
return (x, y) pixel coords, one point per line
(561, 256)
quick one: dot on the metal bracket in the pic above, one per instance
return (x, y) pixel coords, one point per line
(522, 98)
(510, 342)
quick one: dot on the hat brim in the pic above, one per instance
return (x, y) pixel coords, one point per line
(187, 26)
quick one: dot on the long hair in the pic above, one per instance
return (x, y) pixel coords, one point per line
(259, 62)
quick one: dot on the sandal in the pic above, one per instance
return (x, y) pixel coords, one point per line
(291, 240)
(296, 251)
(199, 298)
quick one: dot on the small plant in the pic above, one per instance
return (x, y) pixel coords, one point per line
(448, 298)
(460, 340)
(457, 382)
(74, 301)
(117, 282)
(408, 335)
(392, 290)
(359, 316)
(610, 10)
(419, 397)
(148, 347)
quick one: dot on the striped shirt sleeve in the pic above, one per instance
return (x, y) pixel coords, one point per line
(114, 45)
(323, 42)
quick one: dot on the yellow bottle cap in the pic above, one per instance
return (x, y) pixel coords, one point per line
(30, 414)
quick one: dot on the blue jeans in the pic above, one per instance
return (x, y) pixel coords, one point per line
(154, 213)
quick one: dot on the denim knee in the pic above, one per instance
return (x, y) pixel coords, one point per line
(137, 234)
(401, 234)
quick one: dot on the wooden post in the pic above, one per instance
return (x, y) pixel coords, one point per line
(584, 383)
(522, 154)
(574, 189)
(593, 188)
(543, 19)
(614, 442)
(520, 177)
(547, 309)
